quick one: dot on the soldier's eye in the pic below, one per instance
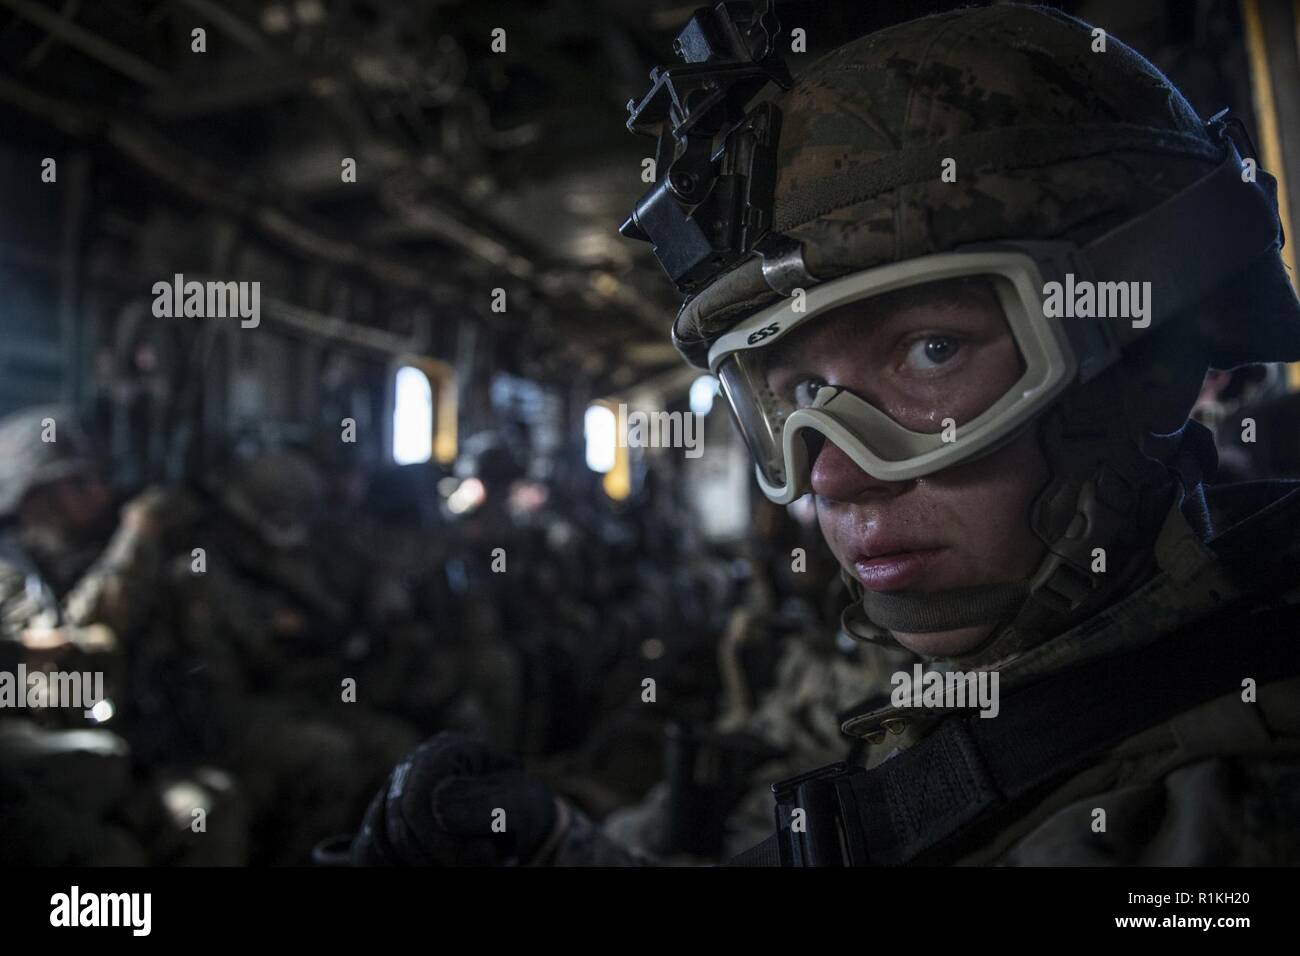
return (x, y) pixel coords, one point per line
(805, 391)
(931, 351)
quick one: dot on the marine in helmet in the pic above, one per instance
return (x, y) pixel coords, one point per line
(56, 520)
(74, 584)
(263, 646)
(1012, 487)
(962, 281)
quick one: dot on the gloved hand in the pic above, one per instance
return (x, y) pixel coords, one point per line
(438, 808)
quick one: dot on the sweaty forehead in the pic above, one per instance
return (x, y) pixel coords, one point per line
(839, 330)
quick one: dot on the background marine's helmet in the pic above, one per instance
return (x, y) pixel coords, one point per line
(38, 446)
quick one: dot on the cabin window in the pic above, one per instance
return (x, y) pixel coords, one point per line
(599, 428)
(412, 417)
(702, 391)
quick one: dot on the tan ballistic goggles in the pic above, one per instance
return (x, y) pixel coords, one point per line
(908, 368)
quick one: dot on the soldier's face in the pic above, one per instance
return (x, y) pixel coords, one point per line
(965, 525)
(76, 506)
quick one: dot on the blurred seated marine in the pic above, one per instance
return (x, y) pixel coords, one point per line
(259, 638)
(75, 590)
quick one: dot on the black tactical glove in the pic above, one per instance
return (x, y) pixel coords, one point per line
(439, 806)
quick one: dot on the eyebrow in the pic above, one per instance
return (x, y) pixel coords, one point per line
(956, 292)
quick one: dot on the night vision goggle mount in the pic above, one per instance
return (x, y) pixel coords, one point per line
(715, 163)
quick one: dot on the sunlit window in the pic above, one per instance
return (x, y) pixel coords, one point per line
(702, 391)
(599, 427)
(412, 417)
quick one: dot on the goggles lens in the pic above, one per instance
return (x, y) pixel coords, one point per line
(900, 372)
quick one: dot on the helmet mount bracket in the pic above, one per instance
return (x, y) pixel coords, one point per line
(715, 162)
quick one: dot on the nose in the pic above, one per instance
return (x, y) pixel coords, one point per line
(836, 477)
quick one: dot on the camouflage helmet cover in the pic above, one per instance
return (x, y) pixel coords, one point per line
(38, 446)
(1050, 139)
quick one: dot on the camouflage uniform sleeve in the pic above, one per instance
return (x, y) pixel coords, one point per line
(1228, 811)
(1218, 785)
(120, 588)
(16, 610)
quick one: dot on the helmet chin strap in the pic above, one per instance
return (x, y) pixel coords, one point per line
(944, 610)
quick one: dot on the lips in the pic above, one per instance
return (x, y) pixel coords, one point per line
(894, 568)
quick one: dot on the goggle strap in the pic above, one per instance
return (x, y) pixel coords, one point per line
(1190, 244)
